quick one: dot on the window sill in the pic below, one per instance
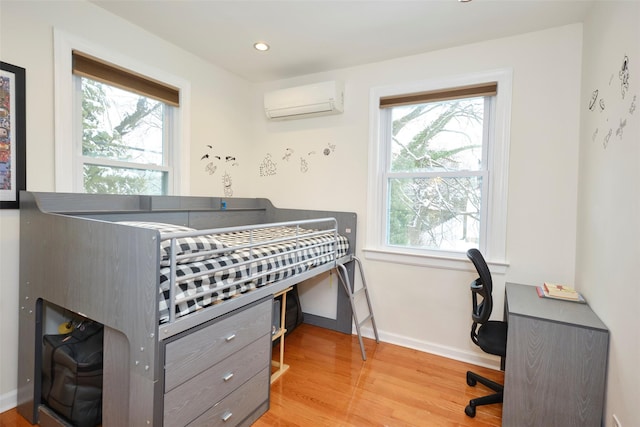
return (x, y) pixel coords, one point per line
(451, 262)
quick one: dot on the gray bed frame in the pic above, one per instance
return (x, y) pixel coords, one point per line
(73, 256)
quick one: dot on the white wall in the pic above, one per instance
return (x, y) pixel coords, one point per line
(608, 243)
(218, 107)
(423, 307)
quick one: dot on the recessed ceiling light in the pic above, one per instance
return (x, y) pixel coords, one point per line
(261, 46)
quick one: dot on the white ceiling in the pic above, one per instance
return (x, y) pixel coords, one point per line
(309, 36)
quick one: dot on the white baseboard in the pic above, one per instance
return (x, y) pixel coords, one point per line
(8, 400)
(487, 361)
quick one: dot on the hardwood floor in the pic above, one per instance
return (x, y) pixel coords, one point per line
(12, 419)
(328, 384)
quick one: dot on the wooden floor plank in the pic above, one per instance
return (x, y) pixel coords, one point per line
(328, 384)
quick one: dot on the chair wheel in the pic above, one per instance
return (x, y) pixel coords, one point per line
(470, 411)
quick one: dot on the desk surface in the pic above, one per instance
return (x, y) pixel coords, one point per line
(523, 300)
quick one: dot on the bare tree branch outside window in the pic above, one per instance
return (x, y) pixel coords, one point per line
(122, 132)
(435, 174)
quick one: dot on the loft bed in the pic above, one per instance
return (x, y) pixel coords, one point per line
(166, 276)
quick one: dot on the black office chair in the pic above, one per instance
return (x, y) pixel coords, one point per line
(489, 335)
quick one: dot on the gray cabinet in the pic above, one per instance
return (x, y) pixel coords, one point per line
(556, 362)
(219, 374)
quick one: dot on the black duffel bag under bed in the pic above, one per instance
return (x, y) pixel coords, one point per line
(72, 374)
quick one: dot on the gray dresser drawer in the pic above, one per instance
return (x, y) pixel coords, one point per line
(238, 405)
(186, 357)
(194, 397)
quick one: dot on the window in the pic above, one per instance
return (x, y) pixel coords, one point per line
(438, 176)
(436, 168)
(77, 60)
(124, 132)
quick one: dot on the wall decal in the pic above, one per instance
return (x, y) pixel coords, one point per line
(615, 105)
(605, 141)
(268, 167)
(594, 98)
(226, 184)
(620, 130)
(210, 168)
(624, 76)
(287, 154)
(330, 149)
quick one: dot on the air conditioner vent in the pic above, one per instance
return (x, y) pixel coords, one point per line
(317, 99)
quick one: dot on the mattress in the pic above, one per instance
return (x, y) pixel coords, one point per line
(248, 259)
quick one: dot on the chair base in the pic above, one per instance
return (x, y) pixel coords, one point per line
(472, 380)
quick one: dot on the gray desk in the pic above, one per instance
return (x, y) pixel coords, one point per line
(556, 362)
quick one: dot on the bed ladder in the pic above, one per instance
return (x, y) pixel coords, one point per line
(346, 284)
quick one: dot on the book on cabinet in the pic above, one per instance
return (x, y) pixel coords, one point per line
(560, 292)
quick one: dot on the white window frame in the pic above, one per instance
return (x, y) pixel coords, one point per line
(494, 221)
(68, 144)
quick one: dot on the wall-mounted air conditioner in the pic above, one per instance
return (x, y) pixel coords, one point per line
(317, 99)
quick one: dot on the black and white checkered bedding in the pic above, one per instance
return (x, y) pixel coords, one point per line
(255, 258)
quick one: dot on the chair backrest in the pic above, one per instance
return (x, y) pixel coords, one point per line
(481, 289)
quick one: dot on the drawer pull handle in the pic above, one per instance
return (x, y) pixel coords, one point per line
(226, 416)
(230, 337)
(228, 377)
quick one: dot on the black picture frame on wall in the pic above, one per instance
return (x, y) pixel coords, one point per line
(13, 150)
